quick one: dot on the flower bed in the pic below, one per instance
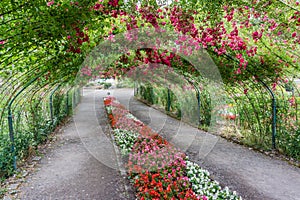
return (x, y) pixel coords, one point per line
(156, 168)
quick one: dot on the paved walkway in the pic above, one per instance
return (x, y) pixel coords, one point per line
(84, 165)
(252, 174)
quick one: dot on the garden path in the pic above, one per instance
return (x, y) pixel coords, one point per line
(252, 174)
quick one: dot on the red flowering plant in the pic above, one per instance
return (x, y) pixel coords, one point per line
(120, 117)
(158, 186)
(108, 103)
(109, 100)
(157, 170)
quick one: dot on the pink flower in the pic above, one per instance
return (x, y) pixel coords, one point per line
(256, 35)
(98, 6)
(242, 60)
(68, 37)
(274, 86)
(292, 101)
(204, 198)
(294, 34)
(238, 71)
(113, 3)
(239, 56)
(111, 38)
(50, 3)
(208, 39)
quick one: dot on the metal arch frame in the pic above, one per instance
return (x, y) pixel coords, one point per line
(274, 112)
(67, 100)
(10, 120)
(198, 96)
(51, 102)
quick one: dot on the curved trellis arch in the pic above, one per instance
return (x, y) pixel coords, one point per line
(47, 31)
(107, 52)
(18, 109)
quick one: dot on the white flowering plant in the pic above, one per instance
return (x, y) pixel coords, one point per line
(131, 116)
(125, 140)
(202, 184)
(109, 109)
